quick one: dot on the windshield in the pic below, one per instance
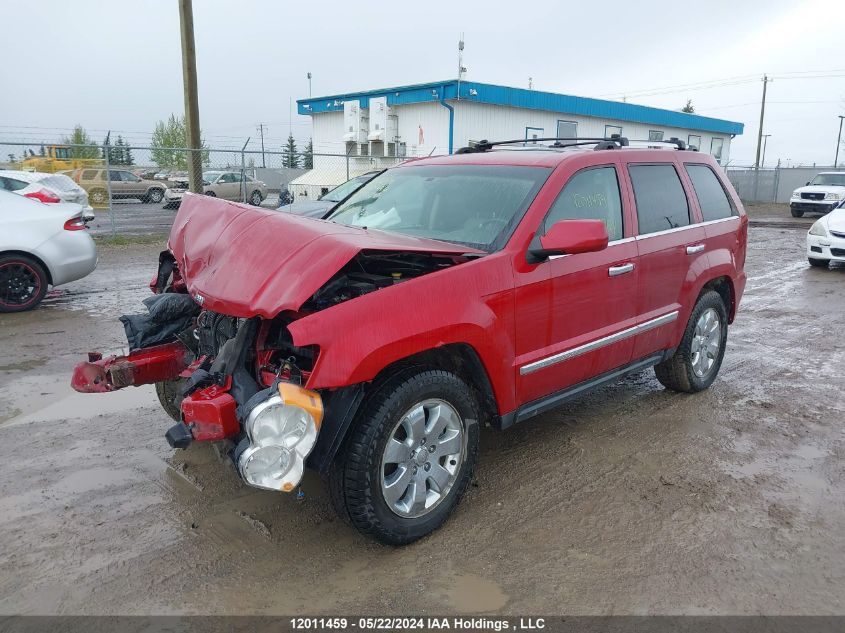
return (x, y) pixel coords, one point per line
(829, 179)
(476, 205)
(210, 176)
(341, 191)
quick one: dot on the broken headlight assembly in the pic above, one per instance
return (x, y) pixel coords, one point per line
(282, 431)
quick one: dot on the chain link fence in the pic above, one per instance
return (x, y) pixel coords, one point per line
(136, 190)
(772, 184)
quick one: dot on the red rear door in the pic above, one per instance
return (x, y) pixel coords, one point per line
(670, 241)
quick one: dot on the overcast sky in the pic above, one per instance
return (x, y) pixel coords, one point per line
(116, 64)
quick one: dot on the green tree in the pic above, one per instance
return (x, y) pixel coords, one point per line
(168, 137)
(83, 145)
(289, 155)
(120, 153)
(308, 155)
(689, 108)
(41, 151)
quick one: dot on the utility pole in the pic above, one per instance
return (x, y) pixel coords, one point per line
(765, 140)
(838, 141)
(766, 80)
(192, 109)
(309, 85)
(261, 131)
(461, 69)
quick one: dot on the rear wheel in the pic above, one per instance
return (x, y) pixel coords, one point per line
(255, 198)
(409, 458)
(818, 263)
(23, 283)
(797, 213)
(694, 365)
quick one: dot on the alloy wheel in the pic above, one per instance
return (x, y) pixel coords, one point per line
(706, 342)
(422, 458)
(19, 284)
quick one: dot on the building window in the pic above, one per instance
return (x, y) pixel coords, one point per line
(655, 135)
(716, 149)
(610, 130)
(567, 129)
(660, 198)
(532, 134)
(693, 140)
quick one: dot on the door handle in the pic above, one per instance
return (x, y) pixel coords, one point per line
(695, 248)
(615, 271)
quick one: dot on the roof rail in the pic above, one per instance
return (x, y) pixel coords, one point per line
(674, 140)
(601, 142)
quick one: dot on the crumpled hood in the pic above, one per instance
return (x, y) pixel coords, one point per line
(245, 261)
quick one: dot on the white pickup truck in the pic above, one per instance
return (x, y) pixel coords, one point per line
(821, 194)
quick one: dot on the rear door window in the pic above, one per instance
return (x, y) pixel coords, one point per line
(591, 194)
(89, 174)
(712, 198)
(660, 198)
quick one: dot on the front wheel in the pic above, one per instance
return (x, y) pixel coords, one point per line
(694, 365)
(797, 213)
(255, 198)
(155, 196)
(409, 458)
(169, 394)
(818, 263)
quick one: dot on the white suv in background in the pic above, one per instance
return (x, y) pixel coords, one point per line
(822, 194)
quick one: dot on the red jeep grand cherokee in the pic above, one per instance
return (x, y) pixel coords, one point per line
(476, 289)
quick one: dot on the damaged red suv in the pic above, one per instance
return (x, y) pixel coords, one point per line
(448, 293)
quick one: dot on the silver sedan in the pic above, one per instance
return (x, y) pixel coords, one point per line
(41, 245)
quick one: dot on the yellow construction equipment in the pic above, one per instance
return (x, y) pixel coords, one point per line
(57, 158)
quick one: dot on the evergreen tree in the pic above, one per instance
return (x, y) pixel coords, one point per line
(41, 151)
(79, 137)
(308, 155)
(689, 108)
(289, 156)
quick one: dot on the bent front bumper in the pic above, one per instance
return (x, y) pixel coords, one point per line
(829, 247)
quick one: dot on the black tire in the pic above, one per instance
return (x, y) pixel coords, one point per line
(211, 194)
(356, 477)
(169, 394)
(23, 283)
(99, 197)
(677, 372)
(818, 263)
(154, 195)
(797, 213)
(255, 198)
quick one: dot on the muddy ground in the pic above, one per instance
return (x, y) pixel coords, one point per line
(632, 500)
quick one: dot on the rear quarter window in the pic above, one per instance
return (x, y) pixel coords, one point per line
(12, 184)
(712, 198)
(660, 198)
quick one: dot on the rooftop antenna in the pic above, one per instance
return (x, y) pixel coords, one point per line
(461, 69)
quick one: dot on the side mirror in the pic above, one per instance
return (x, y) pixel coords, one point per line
(570, 237)
(808, 182)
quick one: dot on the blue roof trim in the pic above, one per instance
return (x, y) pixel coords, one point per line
(521, 98)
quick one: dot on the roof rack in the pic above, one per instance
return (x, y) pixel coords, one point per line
(601, 142)
(614, 141)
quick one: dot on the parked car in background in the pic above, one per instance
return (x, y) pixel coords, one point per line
(326, 202)
(41, 245)
(123, 184)
(826, 238)
(820, 195)
(447, 294)
(48, 188)
(220, 184)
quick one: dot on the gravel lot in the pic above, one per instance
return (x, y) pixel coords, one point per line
(631, 500)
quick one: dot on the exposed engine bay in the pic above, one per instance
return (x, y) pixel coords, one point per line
(369, 271)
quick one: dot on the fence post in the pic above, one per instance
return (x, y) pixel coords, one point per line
(106, 158)
(776, 187)
(243, 171)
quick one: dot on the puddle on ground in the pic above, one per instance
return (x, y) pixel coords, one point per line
(51, 399)
(474, 594)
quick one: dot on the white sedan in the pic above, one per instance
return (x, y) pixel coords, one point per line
(48, 188)
(826, 238)
(41, 245)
